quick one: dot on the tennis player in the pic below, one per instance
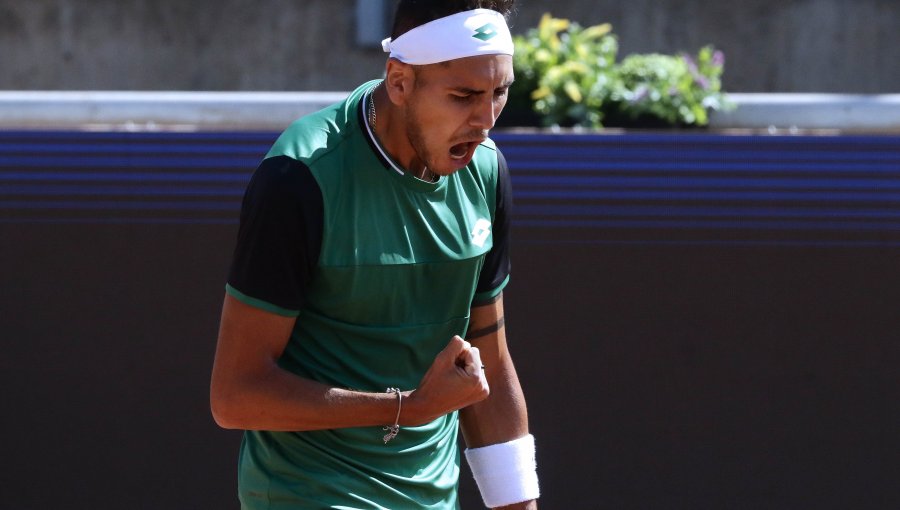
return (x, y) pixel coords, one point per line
(363, 316)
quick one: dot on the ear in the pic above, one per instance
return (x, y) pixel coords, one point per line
(399, 81)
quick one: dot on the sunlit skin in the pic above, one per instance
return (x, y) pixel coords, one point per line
(434, 116)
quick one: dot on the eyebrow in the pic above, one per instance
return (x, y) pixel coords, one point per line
(470, 91)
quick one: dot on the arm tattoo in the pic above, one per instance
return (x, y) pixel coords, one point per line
(486, 330)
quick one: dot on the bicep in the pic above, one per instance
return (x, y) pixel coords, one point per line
(277, 247)
(249, 344)
(487, 330)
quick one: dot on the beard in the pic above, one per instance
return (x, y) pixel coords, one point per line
(416, 136)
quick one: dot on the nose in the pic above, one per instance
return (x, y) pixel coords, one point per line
(484, 114)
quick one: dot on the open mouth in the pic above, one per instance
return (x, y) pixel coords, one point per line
(460, 150)
(464, 150)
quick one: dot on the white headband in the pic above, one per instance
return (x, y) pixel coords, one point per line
(464, 34)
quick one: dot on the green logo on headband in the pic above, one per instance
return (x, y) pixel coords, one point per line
(485, 32)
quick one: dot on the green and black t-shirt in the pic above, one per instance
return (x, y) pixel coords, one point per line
(380, 269)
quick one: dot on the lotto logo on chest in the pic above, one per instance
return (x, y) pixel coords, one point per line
(480, 232)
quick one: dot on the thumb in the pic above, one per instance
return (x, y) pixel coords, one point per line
(455, 348)
(471, 361)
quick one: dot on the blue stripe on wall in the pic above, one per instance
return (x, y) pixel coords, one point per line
(634, 187)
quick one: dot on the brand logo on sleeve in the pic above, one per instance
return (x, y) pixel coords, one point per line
(480, 232)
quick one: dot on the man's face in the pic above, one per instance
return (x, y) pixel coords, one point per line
(452, 107)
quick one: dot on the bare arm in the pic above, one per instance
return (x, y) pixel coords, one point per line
(250, 391)
(503, 415)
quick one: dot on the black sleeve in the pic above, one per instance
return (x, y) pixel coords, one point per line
(280, 234)
(496, 263)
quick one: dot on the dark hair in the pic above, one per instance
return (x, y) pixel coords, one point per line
(412, 13)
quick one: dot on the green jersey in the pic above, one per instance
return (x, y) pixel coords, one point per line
(381, 270)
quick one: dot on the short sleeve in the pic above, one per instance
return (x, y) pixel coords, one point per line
(495, 271)
(279, 237)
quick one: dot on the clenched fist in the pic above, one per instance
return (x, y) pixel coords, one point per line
(454, 380)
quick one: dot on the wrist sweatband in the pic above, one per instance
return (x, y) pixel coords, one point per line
(506, 473)
(460, 35)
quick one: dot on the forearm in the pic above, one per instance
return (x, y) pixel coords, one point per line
(525, 505)
(281, 401)
(500, 449)
(499, 419)
(502, 416)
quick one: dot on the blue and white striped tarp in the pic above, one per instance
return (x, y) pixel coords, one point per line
(587, 188)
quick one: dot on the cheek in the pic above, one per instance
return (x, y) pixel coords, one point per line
(439, 121)
(439, 127)
(501, 103)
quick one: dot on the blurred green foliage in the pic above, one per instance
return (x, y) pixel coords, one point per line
(567, 75)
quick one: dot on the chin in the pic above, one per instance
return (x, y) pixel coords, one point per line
(449, 168)
(446, 166)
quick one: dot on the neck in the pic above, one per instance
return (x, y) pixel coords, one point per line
(383, 116)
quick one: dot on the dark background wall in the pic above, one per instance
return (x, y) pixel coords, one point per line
(690, 332)
(770, 45)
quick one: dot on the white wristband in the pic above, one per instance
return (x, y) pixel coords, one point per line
(506, 473)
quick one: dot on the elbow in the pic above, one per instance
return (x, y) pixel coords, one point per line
(225, 410)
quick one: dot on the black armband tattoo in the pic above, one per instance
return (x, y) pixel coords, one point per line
(493, 328)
